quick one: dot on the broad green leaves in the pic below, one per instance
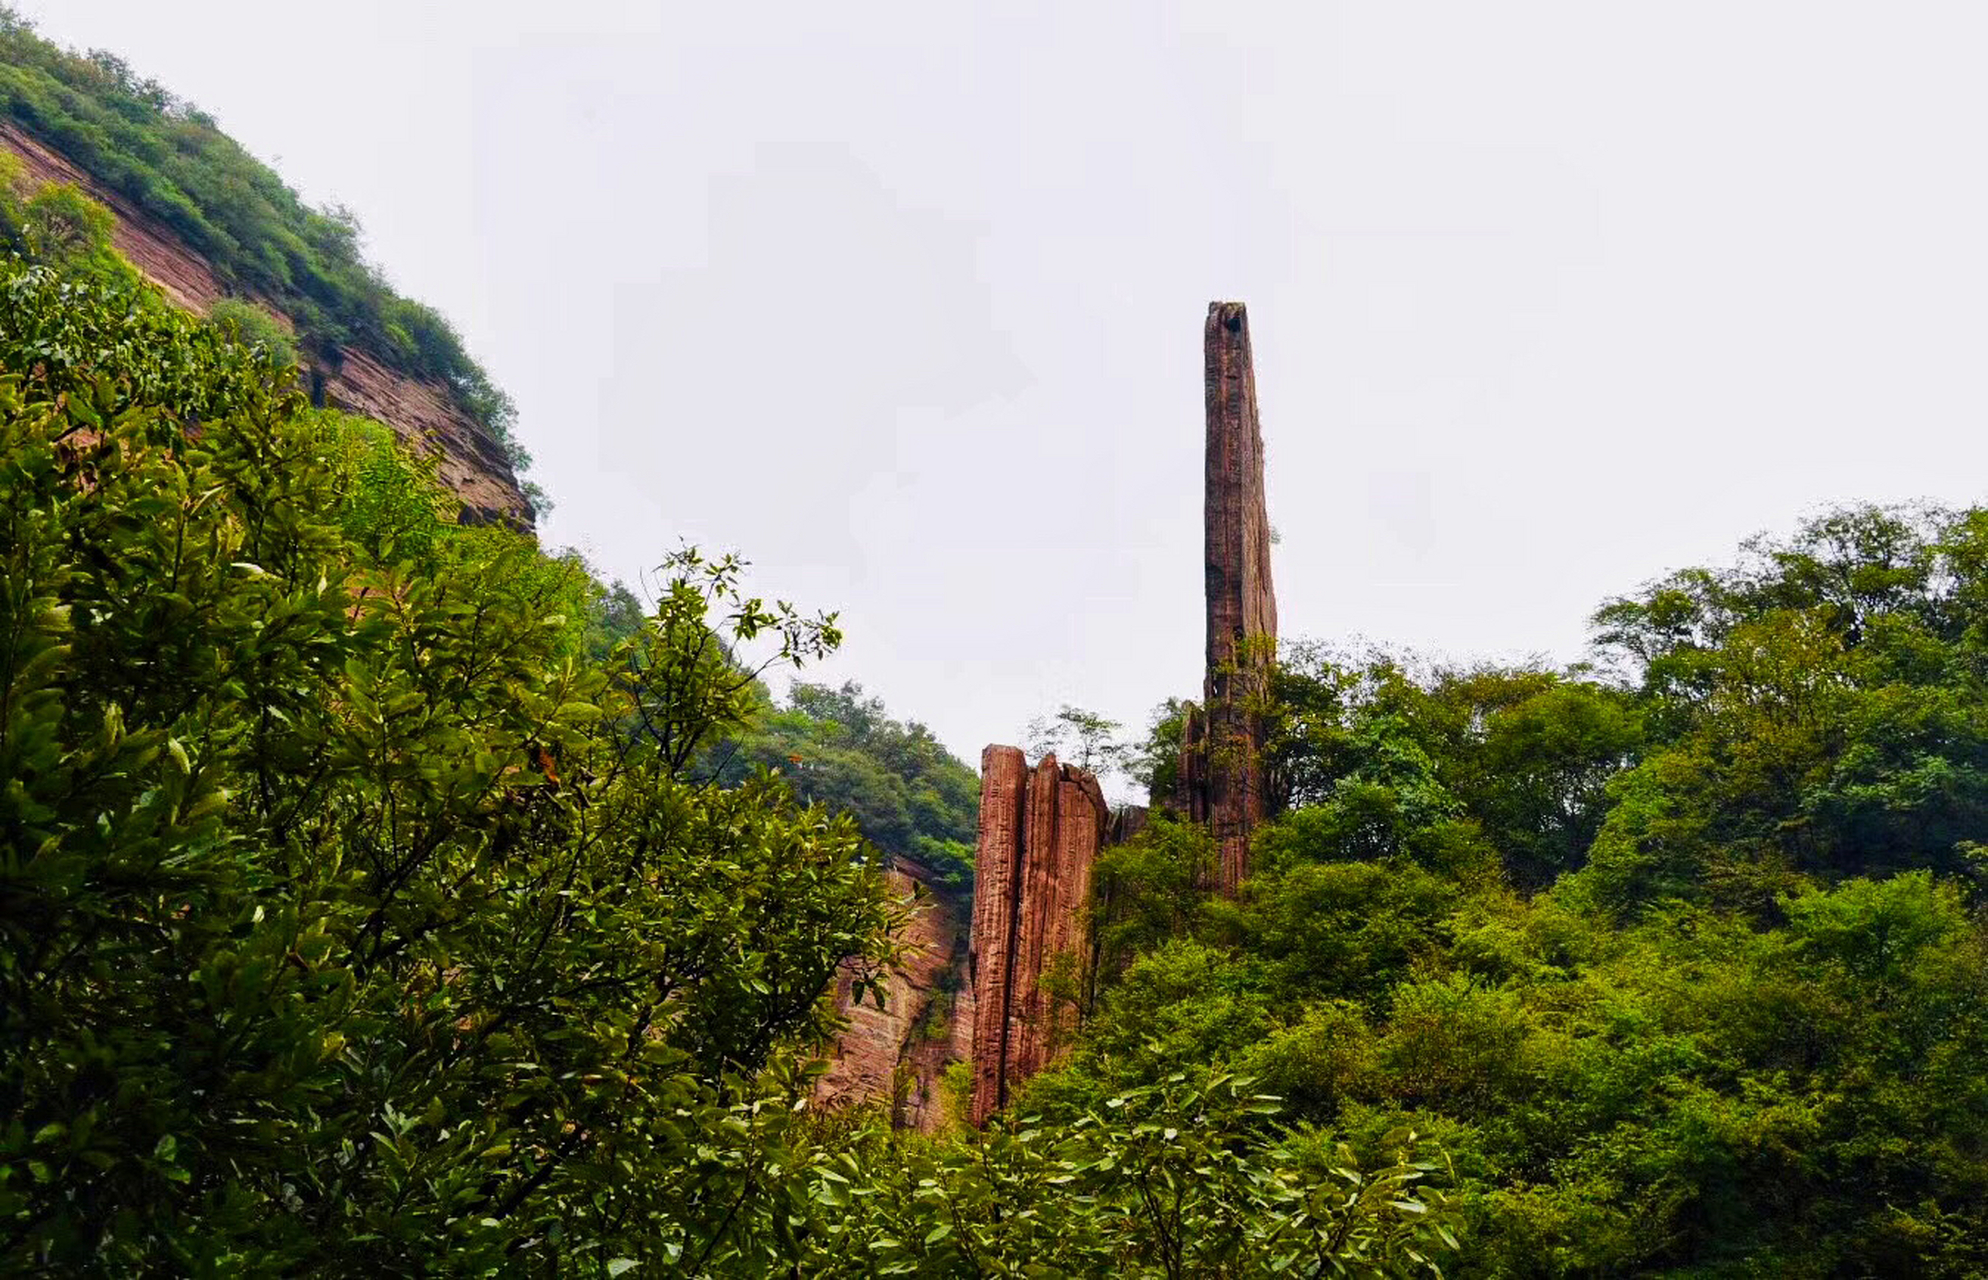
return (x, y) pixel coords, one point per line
(1187, 1176)
(358, 915)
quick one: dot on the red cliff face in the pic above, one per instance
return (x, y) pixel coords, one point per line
(1222, 758)
(424, 413)
(899, 1051)
(469, 461)
(1040, 831)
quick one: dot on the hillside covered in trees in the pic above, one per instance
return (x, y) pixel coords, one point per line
(910, 796)
(175, 166)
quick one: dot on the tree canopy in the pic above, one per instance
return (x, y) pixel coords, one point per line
(354, 916)
(371, 903)
(1679, 958)
(383, 895)
(837, 747)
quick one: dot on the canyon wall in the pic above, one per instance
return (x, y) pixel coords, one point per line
(420, 411)
(1222, 768)
(1040, 831)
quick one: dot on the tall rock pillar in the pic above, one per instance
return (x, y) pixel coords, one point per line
(1040, 831)
(1223, 760)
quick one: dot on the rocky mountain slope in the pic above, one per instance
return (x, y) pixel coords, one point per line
(422, 412)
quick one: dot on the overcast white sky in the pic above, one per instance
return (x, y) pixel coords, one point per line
(903, 301)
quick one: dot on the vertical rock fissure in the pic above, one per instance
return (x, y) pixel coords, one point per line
(1012, 908)
(995, 939)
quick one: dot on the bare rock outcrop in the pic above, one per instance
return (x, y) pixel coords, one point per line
(420, 411)
(1040, 831)
(1222, 770)
(900, 1050)
(472, 464)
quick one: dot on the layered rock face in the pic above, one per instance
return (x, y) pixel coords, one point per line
(1222, 758)
(899, 1051)
(421, 412)
(1040, 831)
(471, 463)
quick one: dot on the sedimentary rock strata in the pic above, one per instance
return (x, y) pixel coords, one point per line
(899, 1051)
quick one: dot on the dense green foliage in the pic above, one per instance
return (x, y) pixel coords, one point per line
(1685, 969)
(59, 226)
(369, 905)
(1185, 1176)
(909, 796)
(1819, 711)
(353, 917)
(170, 160)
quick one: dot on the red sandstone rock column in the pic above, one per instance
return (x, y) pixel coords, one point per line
(1067, 818)
(1242, 608)
(997, 871)
(1040, 831)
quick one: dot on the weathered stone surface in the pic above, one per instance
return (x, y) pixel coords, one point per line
(1190, 797)
(424, 413)
(471, 463)
(1224, 767)
(1040, 832)
(996, 900)
(1126, 822)
(900, 1051)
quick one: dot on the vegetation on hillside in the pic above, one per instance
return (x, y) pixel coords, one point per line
(356, 919)
(1684, 969)
(370, 907)
(171, 160)
(381, 895)
(909, 796)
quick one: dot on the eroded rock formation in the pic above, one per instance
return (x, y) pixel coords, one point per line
(900, 1051)
(1040, 831)
(1222, 751)
(422, 412)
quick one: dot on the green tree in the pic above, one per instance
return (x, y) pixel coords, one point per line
(1187, 1176)
(1084, 738)
(252, 324)
(838, 747)
(1679, 966)
(355, 919)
